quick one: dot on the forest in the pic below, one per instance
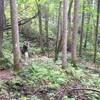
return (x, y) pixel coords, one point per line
(49, 49)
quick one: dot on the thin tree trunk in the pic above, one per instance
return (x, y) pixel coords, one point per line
(46, 28)
(64, 38)
(87, 31)
(58, 33)
(96, 31)
(75, 30)
(69, 26)
(40, 28)
(1, 25)
(88, 22)
(82, 27)
(15, 35)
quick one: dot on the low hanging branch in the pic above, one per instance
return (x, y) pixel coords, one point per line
(21, 22)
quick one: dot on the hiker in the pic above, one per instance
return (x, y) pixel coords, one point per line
(24, 51)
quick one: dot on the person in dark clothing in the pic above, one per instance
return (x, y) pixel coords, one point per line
(24, 51)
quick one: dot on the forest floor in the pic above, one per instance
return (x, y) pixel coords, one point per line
(45, 80)
(5, 75)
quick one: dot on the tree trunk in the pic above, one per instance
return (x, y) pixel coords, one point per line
(40, 28)
(58, 33)
(64, 38)
(69, 26)
(75, 30)
(1, 25)
(87, 31)
(15, 35)
(82, 27)
(96, 30)
(46, 28)
(88, 24)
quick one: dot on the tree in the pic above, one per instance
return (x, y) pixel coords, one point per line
(82, 29)
(89, 26)
(59, 33)
(75, 30)
(64, 37)
(1, 25)
(46, 27)
(15, 35)
(96, 30)
(69, 26)
(87, 30)
(40, 27)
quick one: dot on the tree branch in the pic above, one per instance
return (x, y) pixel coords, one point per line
(73, 89)
(88, 89)
(21, 22)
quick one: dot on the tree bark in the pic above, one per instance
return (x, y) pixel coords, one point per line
(15, 35)
(1, 25)
(40, 28)
(87, 31)
(82, 29)
(46, 28)
(65, 31)
(58, 33)
(96, 31)
(75, 30)
(69, 26)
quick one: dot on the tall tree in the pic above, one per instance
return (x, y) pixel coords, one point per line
(64, 37)
(69, 25)
(96, 30)
(88, 24)
(46, 27)
(57, 47)
(15, 34)
(87, 30)
(75, 30)
(1, 25)
(82, 29)
(40, 27)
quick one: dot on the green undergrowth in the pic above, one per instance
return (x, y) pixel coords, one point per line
(40, 73)
(89, 56)
(50, 74)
